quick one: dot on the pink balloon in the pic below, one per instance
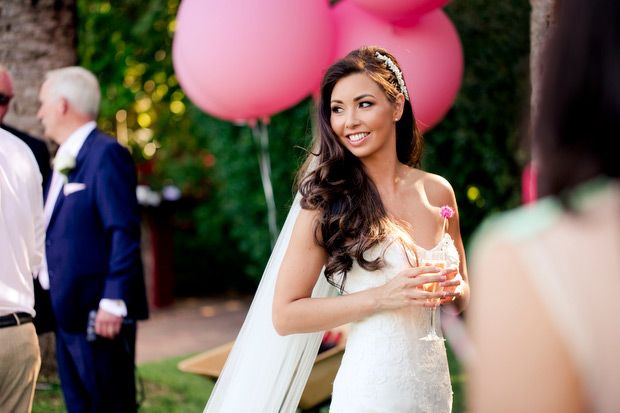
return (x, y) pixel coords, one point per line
(399, 10)
(191, 85)
(244, 59)
(429, 53)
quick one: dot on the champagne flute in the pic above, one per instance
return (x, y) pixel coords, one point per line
(433, 258)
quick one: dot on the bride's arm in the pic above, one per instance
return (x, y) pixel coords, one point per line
(294, 311)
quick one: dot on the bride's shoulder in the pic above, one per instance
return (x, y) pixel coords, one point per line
(437, 189)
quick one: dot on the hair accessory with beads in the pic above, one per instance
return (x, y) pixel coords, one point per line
(394, 69)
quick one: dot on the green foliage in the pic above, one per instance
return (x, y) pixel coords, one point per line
(221, 232)
(230, 230)
(476, 146)
(128, 45)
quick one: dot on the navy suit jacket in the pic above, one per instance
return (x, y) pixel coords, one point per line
(93, 238)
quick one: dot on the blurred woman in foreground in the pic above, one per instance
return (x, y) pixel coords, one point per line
(547, 276)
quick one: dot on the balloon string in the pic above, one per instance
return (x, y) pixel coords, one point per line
(261, 138)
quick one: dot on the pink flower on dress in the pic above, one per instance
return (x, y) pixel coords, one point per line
(446, 211)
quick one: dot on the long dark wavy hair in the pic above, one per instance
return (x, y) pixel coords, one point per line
(352, 218)
(580, 103)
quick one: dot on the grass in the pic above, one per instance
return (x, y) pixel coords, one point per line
(48, 397)
(166, 389)
(169, 390)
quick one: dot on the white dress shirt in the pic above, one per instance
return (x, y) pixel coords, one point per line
(71, 147)
(22, 232)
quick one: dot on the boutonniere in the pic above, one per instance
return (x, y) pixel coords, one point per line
(64, 163)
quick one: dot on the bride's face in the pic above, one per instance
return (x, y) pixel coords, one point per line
(362, 117)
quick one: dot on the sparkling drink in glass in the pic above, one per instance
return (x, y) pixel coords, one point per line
(433, 258)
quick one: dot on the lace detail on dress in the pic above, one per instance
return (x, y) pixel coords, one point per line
(447, 245)
(385, 367)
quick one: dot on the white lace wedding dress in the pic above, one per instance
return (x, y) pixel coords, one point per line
(386, 368)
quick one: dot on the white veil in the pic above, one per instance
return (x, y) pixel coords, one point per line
(266, 372)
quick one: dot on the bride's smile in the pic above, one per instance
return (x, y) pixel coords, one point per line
(362, 117)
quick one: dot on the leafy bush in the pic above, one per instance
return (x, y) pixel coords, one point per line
(477, 145)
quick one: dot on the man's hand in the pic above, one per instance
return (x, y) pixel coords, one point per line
(107, 324)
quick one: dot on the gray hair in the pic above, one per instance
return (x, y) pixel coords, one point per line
(78, 86)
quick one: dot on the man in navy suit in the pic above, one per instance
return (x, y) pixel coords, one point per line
(92, 248)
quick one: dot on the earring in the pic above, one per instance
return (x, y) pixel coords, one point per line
(395, 119)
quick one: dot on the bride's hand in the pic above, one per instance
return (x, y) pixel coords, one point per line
(405, 289)
(452, 284)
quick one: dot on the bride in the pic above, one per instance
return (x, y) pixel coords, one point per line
(349, 253)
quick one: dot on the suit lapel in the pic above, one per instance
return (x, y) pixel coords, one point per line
(80, 161)
(46, 190)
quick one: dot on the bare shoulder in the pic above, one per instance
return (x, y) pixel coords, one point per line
(437, 188)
